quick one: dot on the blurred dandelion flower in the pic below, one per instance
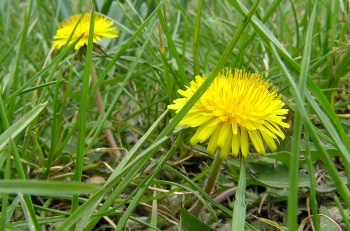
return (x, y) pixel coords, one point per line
(102, 29)
(235, 108)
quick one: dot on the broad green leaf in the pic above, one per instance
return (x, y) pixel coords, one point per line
(276, 177)
(326, 221)
(192, 223)
(269, 176)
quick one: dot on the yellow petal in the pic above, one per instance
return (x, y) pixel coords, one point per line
(225, 131)
(234, 126)
(269, 141)
(257, 141)
(202, 134)
(205, 131)
(227, 146)
(244, 142)
(194, 120)
(236, 143)
(212, 145)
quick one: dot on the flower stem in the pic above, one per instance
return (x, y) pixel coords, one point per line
(209, 184)
(100, 108)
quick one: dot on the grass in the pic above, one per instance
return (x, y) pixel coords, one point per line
(58, 171)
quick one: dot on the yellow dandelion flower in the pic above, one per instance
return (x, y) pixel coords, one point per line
(235, 108)
(102, 28)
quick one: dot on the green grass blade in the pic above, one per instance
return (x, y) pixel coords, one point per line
(10, 50)
(239, 207)
(83, 110)
(20, 125)
(180, 64)
(45, 188)
(15, 77)
(297, 128)
(27, 209)
(54, 128)
(313, 192)
(5, 196)
(25, 199)
(12, 228)
(106, 6)
(342, 212)
(154, 215)
(195, 38)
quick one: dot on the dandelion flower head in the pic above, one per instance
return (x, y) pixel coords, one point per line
(237, 107)
(102, 28)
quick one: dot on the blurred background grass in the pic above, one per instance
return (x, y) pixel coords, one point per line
(307, 59)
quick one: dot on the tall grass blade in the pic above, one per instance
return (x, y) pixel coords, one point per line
(83, 110)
